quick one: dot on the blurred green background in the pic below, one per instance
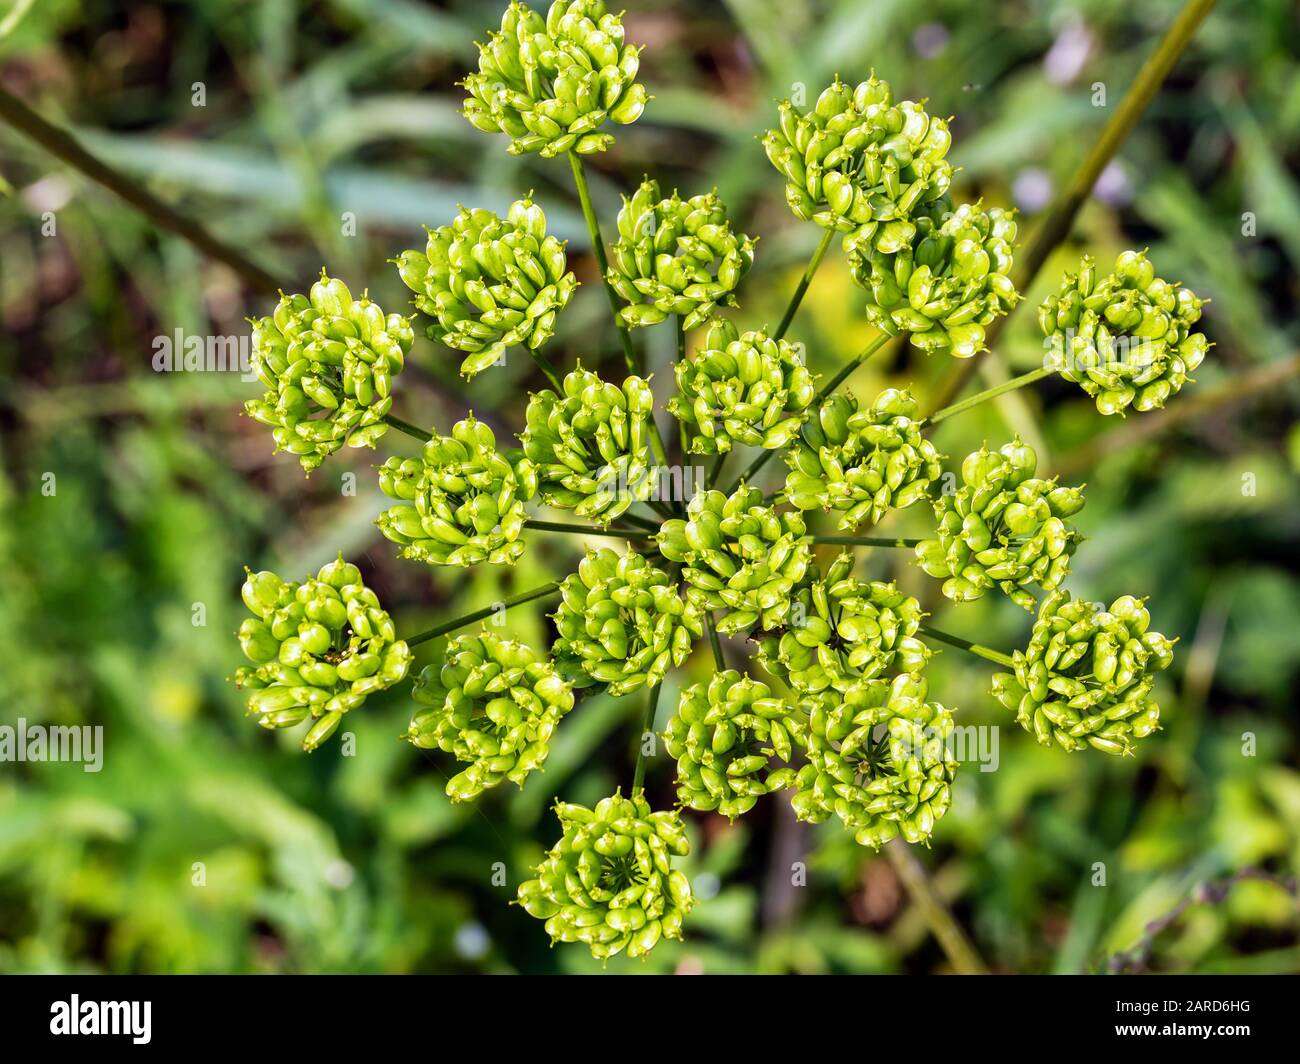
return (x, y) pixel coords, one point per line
(164, 492)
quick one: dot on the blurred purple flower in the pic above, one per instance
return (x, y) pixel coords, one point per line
(1113, 186)
(1065, 59)
(1032, 189)
(930, 40)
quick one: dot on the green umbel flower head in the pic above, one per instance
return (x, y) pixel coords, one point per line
(844, 631)
(946, 284)
(461, 501)
(741, 556)
(862, 463)
(319, 648)
(329, 362)
(1086, 677)
(493, 703)
(609, 882)
(590, 445)
(675, 256)
(622, 623)
(1003, 528)
(725, 737)
(550, 84)
(490, 284)
(749, 390)
(1125, 338)
(861, 164)
(880, 758)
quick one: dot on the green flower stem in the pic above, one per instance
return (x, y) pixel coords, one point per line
(1056, 225)
(487, 611)
(804, 282)
(63, 145)
(647, 724)
(643, 522)
(748, 475)
(719, 460)
(987, 653)
(588, 530)
(866, 541)
(602, 260)
(987, 394)
(718, 660)
(681, 338)
(943, 925)
(407, 427)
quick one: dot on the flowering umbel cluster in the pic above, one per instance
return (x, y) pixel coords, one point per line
(1125, 338)
(733, 739)
(1004, 527)
(675, 256)
(739, 390)
(1086, 677)
(590, 446)
(318, 649)
(461, 502)
(329, 361)
(490, 284)
(843, 719)
(879, 758)
(550, 84)
(742, 557)
(862, 463)
(622, 623)
(493, 703)
(944, 285)
(860, 164)
(848, 630)
(610, 882)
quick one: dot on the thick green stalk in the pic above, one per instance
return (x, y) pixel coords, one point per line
(987, 653)
(748, 475)
(987, 394)
(407, 427)
(804, 282)
(60, 143)
(588, 530)
(487, 611)
(547, 371)
(866, 541)
(647, 725)
(1055, 227)
(719, 460)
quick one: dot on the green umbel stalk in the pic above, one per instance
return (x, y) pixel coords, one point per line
(987, 653)
(647, 725)
(408, 428)
(804, 282)
(587, 530)
(987, 394)
(487, 611)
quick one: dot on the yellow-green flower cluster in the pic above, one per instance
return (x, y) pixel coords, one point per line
(844, 631)
(675, 256)
(725, 737)
(1125, 338)
(860, 163)
(880, 758)
(550, 84)
(749, 390)
(609, 882)
(742, 557)
(862, 463)
(461, 502)
(1004, 527)
(319, 649)
(494, 703)
(490, 284)
(949, 282)
(329, 361)
(590, 445)
(1086, 677)
(622, 623)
